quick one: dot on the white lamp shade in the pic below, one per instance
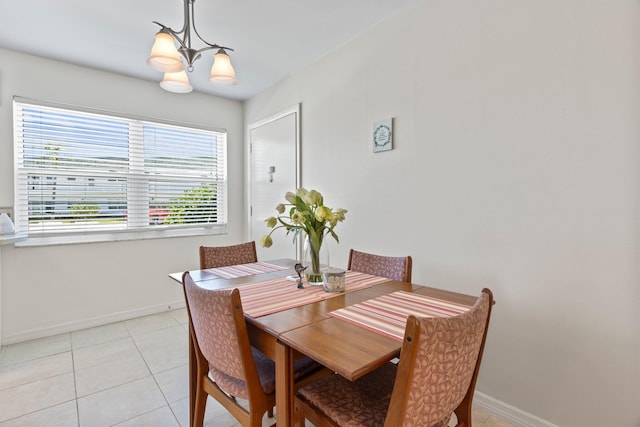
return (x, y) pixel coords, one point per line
(222, 70)
(164, 55)
(176, 82)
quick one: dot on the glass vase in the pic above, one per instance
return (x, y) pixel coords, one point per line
(316, 259)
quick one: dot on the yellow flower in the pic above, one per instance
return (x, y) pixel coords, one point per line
(313, 198)
(330, 215)
(304, 212)
(266, 241)
(290, 197)
(333, 218)
(298, 218)
(301, 192)
(323, 213)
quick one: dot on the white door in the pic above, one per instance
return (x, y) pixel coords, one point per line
(275, 170)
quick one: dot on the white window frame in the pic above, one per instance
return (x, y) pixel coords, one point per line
(135, 229)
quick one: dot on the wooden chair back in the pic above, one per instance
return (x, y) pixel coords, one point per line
(219, 332)
(439, 365)
(222, 256)
(394, 268)
(436, 376)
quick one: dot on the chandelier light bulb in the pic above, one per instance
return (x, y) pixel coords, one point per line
(164, 55)
(222, 71)
(176, 82)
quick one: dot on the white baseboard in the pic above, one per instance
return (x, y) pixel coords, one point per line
(507, 412)
(63, 328)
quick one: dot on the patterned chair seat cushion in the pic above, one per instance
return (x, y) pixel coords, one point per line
(360, 403)
(266, 372)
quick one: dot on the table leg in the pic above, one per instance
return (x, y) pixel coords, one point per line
(284, 385)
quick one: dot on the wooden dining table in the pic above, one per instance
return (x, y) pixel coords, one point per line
(309, 329)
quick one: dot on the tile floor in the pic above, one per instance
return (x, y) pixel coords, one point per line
(127, 374)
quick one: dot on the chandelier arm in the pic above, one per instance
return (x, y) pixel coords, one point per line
(195, 30)
(213, 46)
(172, 33)
(187, 16)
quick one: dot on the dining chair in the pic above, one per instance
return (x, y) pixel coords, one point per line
(394, 268)
(222, 256)
(436, 377)
(227, 366)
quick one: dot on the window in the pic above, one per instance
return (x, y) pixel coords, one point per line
(83, 173)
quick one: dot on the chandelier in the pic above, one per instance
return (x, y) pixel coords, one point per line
(171, 61)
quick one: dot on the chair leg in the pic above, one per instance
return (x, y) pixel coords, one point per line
(298, 418)
(255, 419)
(463, 413)
(200, 406)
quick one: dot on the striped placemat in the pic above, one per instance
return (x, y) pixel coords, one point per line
(387, 314)
(271, 296)
(241, 270)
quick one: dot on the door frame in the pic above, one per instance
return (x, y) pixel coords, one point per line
(294, 109)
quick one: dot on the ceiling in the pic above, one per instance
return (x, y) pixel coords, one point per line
(271, 38)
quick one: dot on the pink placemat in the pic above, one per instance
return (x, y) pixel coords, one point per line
(241, 270)
(387, 314)
(271, 296)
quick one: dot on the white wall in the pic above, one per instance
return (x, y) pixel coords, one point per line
(54, 288)
(516, 166)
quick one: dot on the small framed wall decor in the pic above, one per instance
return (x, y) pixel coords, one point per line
(382, 137)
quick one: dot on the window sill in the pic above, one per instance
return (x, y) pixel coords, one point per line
(116, 236)
(10, 239)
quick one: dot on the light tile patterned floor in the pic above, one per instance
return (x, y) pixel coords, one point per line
(126, 374)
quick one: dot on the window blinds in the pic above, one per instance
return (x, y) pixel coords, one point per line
(79, 171)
